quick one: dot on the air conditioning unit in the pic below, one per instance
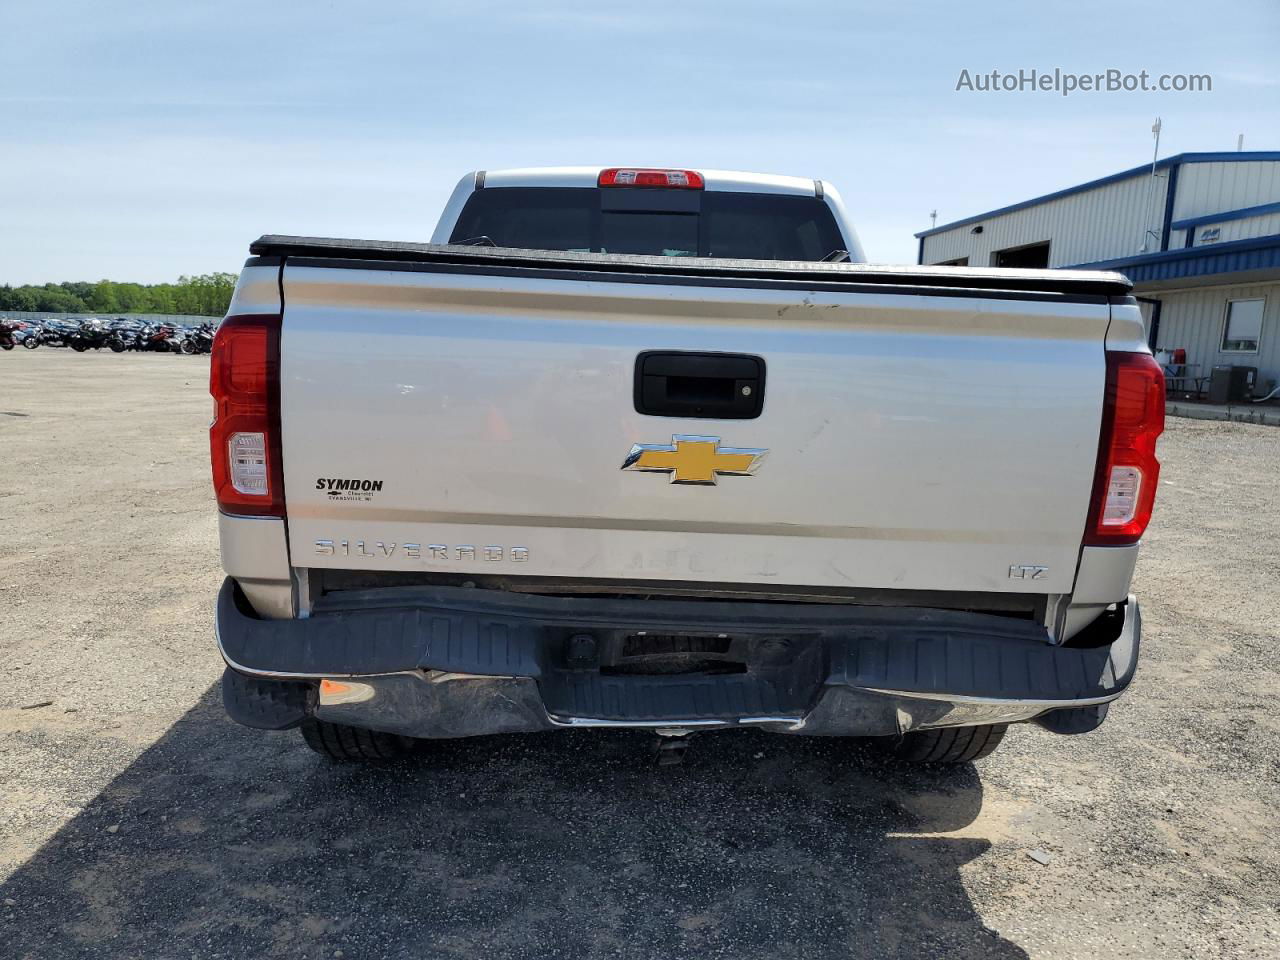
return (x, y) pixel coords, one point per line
(1231, 384)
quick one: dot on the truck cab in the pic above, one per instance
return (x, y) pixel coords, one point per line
(679, 213)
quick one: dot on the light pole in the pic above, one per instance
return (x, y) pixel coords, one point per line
(1147, 232)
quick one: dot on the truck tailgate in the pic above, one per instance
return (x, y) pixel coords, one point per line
(476, 422)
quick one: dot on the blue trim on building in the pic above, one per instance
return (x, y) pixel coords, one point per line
(1243, 213)
(1171, 192)
(1241, 156)
(1258, 253)
(1223, 156)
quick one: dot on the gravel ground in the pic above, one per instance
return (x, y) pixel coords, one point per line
(139, 822)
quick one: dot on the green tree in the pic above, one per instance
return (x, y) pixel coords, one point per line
(21, 298)
(53, 299)
(103, 298)
(206, 295)
(79, 289)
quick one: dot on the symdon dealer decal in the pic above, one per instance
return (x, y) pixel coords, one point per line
(344, 488)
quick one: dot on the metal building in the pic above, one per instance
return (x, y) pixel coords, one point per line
(1199, 236)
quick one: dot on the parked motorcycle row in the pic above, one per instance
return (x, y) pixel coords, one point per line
(118, 336)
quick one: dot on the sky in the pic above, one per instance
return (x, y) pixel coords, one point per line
(146, 140)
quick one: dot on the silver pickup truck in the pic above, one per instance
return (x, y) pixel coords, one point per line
(652, 448)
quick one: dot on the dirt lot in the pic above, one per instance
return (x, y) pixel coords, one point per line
(138, 822)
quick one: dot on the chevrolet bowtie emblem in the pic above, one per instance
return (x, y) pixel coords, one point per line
(693, 459)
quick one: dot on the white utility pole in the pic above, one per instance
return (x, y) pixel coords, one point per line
(1147, 232)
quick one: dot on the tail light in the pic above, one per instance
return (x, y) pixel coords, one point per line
(244, 438)
(636, 177)
(1124, 488)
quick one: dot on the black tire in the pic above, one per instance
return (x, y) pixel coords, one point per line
(31, 343)
(78, 346)
(343, 744)
(116, 346)
(6, 346)
(947, 745)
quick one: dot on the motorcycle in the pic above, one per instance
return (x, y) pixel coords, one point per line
(7, 330)
(29, 335)
(124, 335)
(58, 333)
(89, 335)
(197, 340)
(157, 338)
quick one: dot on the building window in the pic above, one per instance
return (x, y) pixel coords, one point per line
(1243, 327)
(1032, 256)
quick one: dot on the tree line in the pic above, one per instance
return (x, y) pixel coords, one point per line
(206, 296)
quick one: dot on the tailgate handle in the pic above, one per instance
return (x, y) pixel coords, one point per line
(719, 386)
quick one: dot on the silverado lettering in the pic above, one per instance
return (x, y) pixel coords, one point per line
(414, 551)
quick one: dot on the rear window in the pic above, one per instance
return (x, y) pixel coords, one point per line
(673, 223)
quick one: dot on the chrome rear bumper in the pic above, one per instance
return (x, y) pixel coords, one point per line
(449, 662)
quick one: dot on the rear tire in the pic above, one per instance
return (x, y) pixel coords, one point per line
(31, 343)
(948, 744)
(343, 744)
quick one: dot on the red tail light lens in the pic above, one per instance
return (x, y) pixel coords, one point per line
(636, 177)
(244, 438)
(1124, 488)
